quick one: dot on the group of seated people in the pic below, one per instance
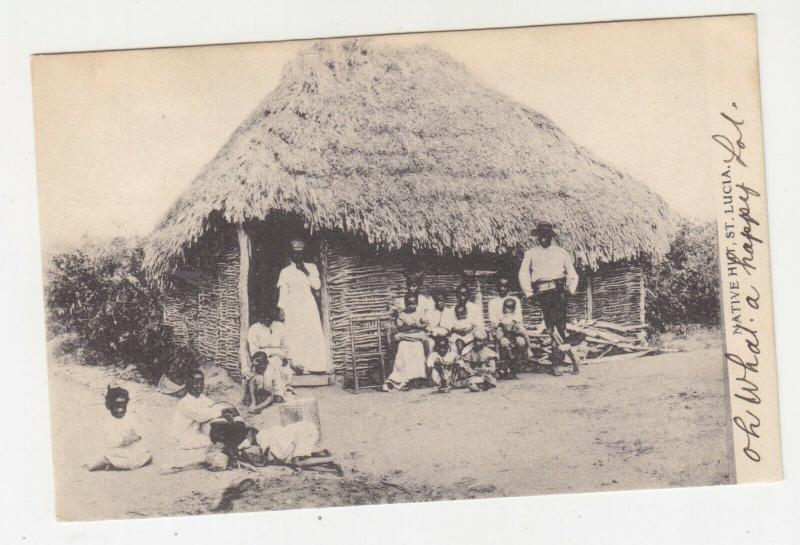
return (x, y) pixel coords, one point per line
(451, 347)
(206, 434)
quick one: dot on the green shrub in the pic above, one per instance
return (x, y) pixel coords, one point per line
(684, 287)
(99, 293)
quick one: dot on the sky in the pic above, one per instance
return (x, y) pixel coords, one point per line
(120, 134)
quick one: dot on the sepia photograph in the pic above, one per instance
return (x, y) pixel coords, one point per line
(405, 268)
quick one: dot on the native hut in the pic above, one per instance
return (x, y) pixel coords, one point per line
(377, 154)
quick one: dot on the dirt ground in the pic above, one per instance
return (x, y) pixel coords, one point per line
(652, 422)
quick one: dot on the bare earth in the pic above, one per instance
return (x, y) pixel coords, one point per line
(649, 423)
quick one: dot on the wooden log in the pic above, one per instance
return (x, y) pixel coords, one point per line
(596, 332)
(589, 301)
(244, 298)
(325, 296)
(624, 357)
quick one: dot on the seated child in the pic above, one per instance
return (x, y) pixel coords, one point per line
(481, 365)
(122, 446)
(463, 329)
(512, 338)
(435, 318)
(442, 364)
(435, 321)
(496, 304)
(268, 336)
(268, 383)
(414, 282)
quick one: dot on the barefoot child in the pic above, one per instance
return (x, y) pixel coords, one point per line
(267, 386)
(481, 366)
(512, 339)
(122, 446)
(442, 364)
(268, 337)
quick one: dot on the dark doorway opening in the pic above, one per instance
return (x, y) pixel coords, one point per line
(269, 242)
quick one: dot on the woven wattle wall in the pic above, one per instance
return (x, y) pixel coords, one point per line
(617, 294)
(205, 314)
(362, 285)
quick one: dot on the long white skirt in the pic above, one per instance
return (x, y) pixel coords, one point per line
(408, 364)
(305, 340)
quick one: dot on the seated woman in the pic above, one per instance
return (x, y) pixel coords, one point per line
(409, 361)
(267, 385)
(122, 447)
(295, 445)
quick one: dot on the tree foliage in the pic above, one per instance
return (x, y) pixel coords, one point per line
(99, 293)
(684, 287)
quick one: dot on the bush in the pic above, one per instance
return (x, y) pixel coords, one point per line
(684, 287)
(99, 293)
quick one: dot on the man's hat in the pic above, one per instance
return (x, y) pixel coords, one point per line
(544, 227)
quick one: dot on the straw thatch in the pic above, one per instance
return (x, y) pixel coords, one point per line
(403, 147)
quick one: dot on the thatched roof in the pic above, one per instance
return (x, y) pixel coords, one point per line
(403, 147)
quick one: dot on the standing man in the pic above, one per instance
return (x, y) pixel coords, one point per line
(547, 271)
(305, 341)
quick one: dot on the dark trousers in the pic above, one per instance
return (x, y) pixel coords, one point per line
(554, 310)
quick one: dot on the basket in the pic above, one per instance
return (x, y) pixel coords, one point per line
(301, 410)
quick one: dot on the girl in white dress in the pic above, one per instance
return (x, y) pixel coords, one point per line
(122, 446)
(306, 344)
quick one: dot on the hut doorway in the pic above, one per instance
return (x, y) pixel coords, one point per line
(269, 254)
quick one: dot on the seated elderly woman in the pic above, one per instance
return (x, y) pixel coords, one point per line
(411, 336)
(122, 447)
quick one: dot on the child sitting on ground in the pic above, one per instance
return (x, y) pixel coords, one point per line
(480, 363)
(442, 364)
(512, 339)
(122, 446)
(267, 385)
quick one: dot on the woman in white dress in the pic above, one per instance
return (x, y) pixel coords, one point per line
(305, 341)
(411, 336)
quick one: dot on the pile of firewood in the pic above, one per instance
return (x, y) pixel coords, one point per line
(597, 340)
